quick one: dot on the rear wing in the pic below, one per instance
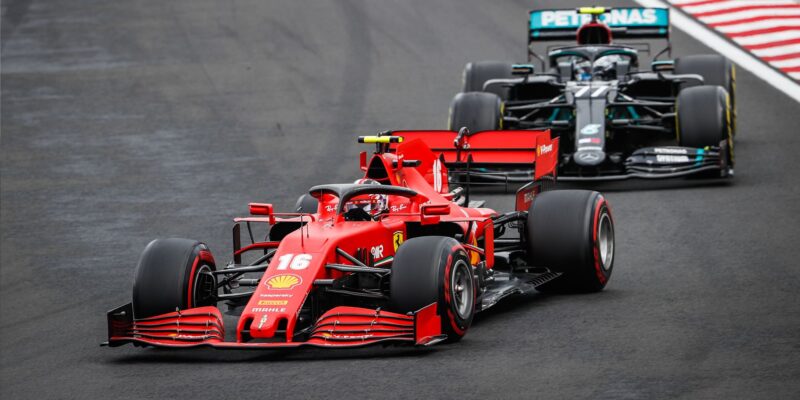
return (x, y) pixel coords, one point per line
(626, 22)
(528, 149)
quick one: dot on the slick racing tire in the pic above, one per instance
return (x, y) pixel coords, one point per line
(477, 73)
(306, 204)
(173, 274)
(716, 71)
(478, 111)
(571, 232)
(435, 269)
(703, 118)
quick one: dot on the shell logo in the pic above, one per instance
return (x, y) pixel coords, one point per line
(283, 282)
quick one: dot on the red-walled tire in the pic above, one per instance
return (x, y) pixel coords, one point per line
(173, 274)
(572, 232)
(435, 269)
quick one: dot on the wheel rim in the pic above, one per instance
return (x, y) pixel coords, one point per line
(605, 240)
(204, 290)
(461, 289)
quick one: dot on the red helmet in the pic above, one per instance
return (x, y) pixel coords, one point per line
(372, 204)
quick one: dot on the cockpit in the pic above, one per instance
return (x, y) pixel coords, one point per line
(586, 63)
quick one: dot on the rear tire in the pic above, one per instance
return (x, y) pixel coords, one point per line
(478, 111)
(572, 232)
(435, 269)
(716, 71)
(173, 274)
(477, 73)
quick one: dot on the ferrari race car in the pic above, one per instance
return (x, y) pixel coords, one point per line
(398, 257)
(615, 120)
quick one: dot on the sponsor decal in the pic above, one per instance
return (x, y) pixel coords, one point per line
(267, 309)
(667, 150)
(273, 302)
(283, 282)
(475, 257)
(589, 140)
(590, 148)
(330, 208)
(399, 208)
(588, 156)
(277, 295)
(262, 321)
(528, 196)
(348, 337)
(591, 129)
(671, 159)
(376, 251)
(618, 17)
(397, 239)
(545, 149)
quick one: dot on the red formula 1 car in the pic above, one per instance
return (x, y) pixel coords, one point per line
(398, 257)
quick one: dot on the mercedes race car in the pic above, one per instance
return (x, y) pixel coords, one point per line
(615, 120)
(397, 257)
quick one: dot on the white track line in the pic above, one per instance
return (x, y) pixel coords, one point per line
(742, 58)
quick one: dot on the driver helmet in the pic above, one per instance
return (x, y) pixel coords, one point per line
(582, 70)
(372, 203)
(604, 64)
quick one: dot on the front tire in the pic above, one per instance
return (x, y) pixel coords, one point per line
(435, 269)
(173, 274)
(703, 116)
(572, 232)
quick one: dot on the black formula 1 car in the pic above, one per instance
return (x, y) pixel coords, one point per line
(614, 120)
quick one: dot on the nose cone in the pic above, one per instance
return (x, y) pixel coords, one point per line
(589, 158)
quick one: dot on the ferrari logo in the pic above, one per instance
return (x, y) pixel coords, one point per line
(397, 239)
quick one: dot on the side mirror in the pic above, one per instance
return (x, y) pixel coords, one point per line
(263, 209)
(430, 213)
(435, 209)
(522, 69)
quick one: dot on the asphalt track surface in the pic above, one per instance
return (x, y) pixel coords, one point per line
(128, 120)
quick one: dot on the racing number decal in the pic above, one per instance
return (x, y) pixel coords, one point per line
(295, 262)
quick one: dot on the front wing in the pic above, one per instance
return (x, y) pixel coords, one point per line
(644, 163)
(340, 327)
(668, 162)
